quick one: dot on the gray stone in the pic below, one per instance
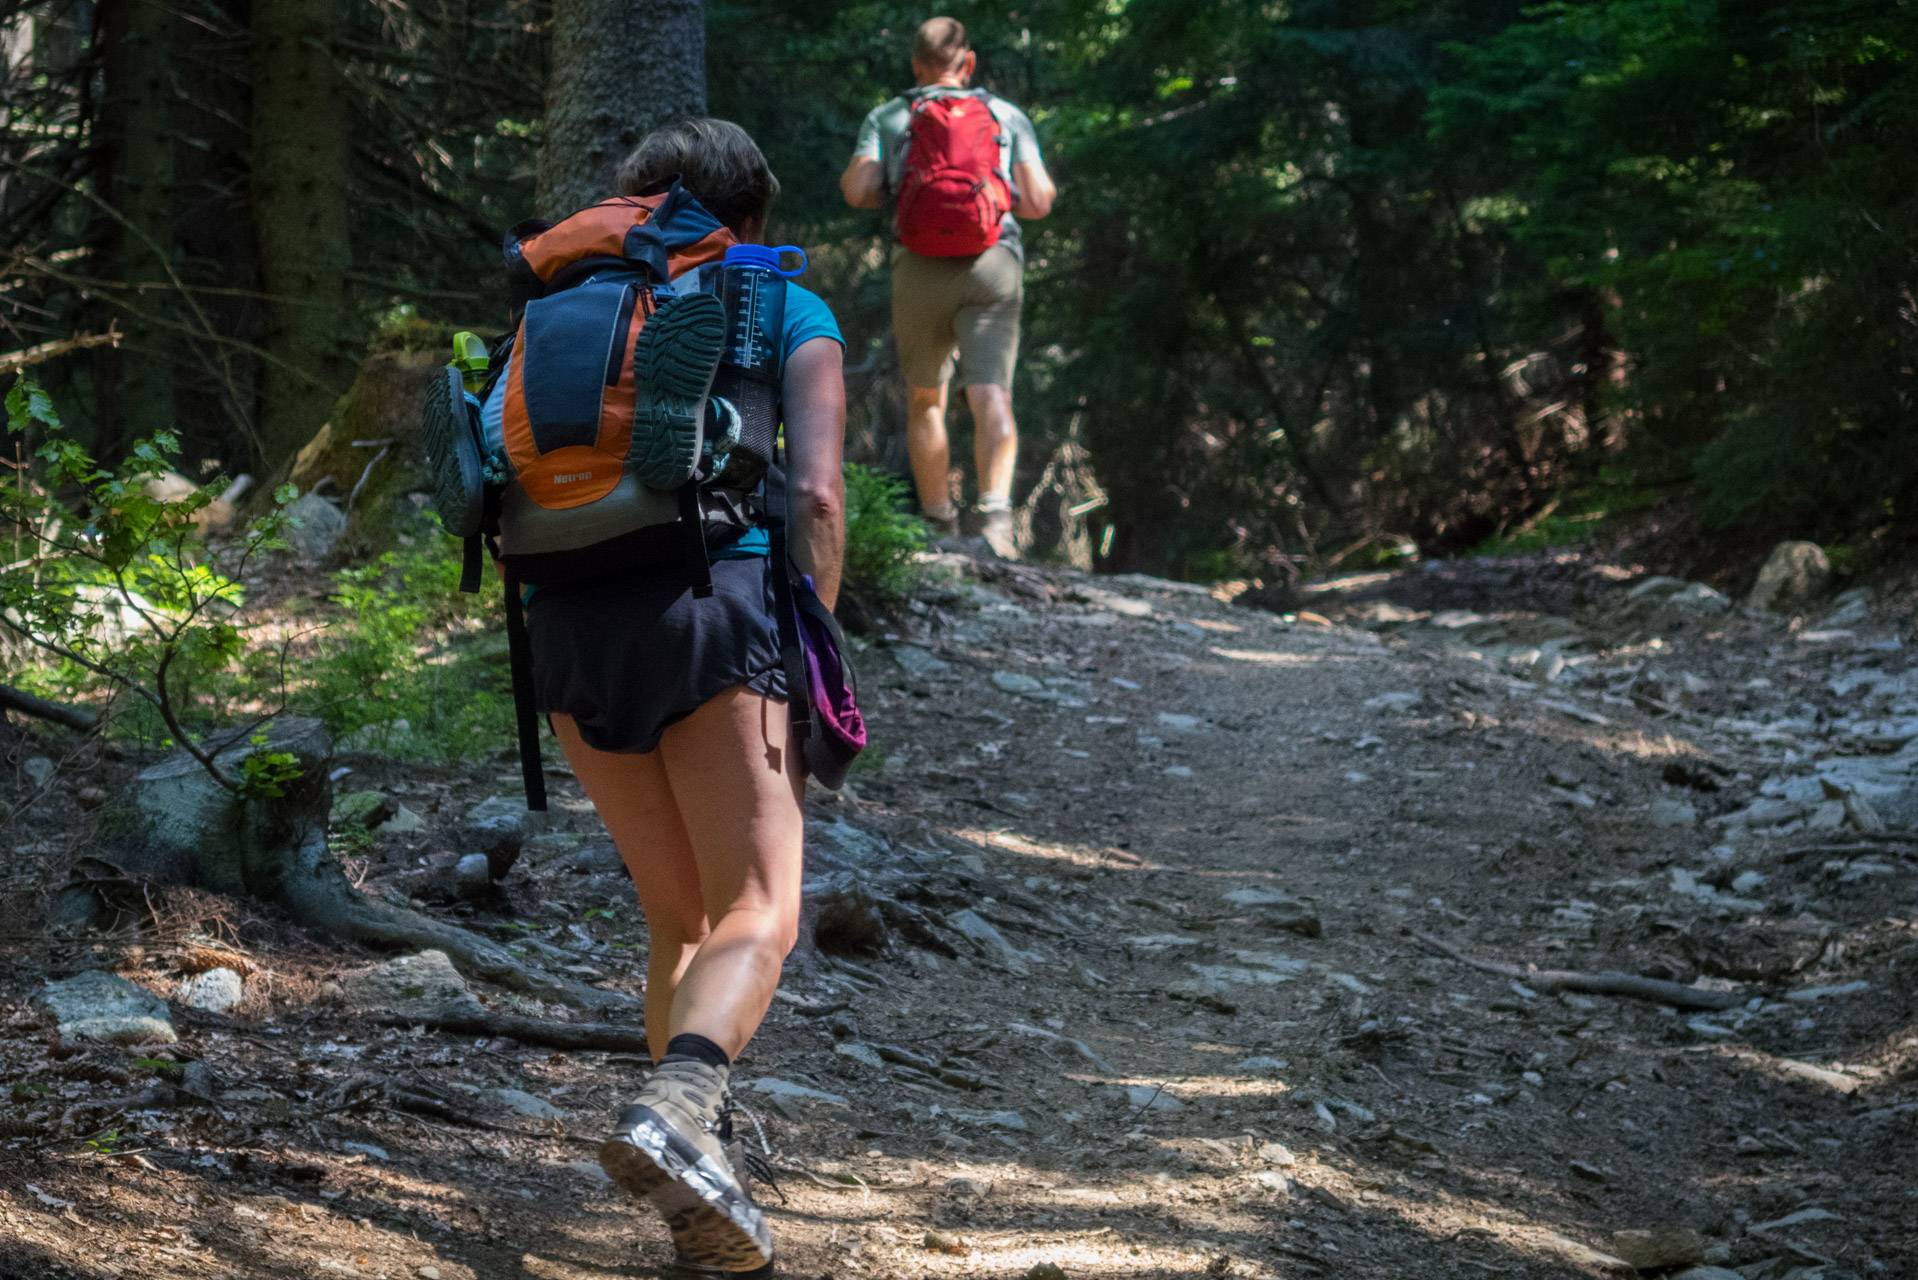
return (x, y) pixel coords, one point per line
(362, 809)
(473, 875)
(39, 771)
(1277, 1153)
(1672, 813)
(499, 827)
(214, 991)
(982, 934)
(596, 860)
(1698, 598)
(1794, 573)
(106, 1007)
(1402, 701)
(1023, 685)
(1767, 812)
(424, 987)
(1278, 910)
(1813, 995)
(1675, 598)
(1649, 1250)
(864, 1053)
(1655, 588)
(1797, 1219)
(840, 844)
(1261, 1064)
(524, 1103)
(917, 663)
(1178, 722)
(1707, 1273)
(404, 822)
(1150, 1097)
(792, 1092)
(507, 809)
(1850, 613)
(314, 525)
(191, 830)
(990, 1119)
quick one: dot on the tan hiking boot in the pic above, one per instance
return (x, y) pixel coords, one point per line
(995, 527)
(668, 1149)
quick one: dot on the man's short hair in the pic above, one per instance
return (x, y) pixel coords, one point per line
(941, 43)
(715, 160)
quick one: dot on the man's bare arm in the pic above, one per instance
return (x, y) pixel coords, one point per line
(1036, 192)
(864, 183)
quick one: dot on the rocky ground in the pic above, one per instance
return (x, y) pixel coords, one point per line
(1157, 936)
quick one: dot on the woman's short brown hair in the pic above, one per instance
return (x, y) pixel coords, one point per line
(715, 160)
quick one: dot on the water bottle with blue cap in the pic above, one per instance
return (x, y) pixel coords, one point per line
(751, 284)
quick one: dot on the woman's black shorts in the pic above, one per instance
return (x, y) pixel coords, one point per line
(626, 657)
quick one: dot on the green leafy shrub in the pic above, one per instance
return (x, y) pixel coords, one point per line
(412, 666)
(109, 583)
(882, 536)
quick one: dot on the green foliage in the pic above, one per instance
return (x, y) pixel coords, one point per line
(267, 774)
(1727, 188)
(882, 536)
(117, 590)
(108, 574)
(412, 666)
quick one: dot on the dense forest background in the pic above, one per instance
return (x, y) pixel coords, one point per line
(1327, 279)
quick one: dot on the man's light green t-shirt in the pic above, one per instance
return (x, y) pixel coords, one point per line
(883, 138)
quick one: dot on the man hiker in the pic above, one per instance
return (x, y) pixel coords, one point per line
(959, 177)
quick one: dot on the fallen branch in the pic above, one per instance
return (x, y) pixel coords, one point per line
(14, 361)
(1876, 844)
(542, 1031)
(1599, 984)
(59, 713)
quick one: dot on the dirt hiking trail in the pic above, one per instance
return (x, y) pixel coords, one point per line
(1139, 947)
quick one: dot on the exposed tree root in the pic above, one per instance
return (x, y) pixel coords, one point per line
(59, 713)
(322, 899)
(1599, 984)
(542, 1031)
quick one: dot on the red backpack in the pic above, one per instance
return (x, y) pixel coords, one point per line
(952, 196)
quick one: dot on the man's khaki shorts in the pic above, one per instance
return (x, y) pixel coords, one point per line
(968, 303)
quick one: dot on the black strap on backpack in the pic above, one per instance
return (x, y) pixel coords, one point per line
(519, 655)
(698, 567)
(792, 654)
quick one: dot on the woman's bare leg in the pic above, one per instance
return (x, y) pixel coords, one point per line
(738, 785)
(636, 804)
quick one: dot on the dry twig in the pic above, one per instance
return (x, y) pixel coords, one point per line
(1598, 984)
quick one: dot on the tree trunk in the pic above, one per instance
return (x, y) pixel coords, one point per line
(621, 68)
(137, 390)
(301, 219)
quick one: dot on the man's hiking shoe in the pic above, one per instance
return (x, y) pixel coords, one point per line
(995, 527)
(673, 368)
(668, 1149)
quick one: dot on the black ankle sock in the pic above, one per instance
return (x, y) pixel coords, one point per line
(687, 1047)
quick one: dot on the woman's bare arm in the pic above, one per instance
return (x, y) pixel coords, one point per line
(815, 395)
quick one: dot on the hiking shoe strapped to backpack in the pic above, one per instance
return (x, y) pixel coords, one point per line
(673, 368)
(668, 1150)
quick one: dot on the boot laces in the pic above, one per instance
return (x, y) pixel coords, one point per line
(758, 1163)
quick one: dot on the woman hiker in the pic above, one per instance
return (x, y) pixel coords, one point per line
(672, 713)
